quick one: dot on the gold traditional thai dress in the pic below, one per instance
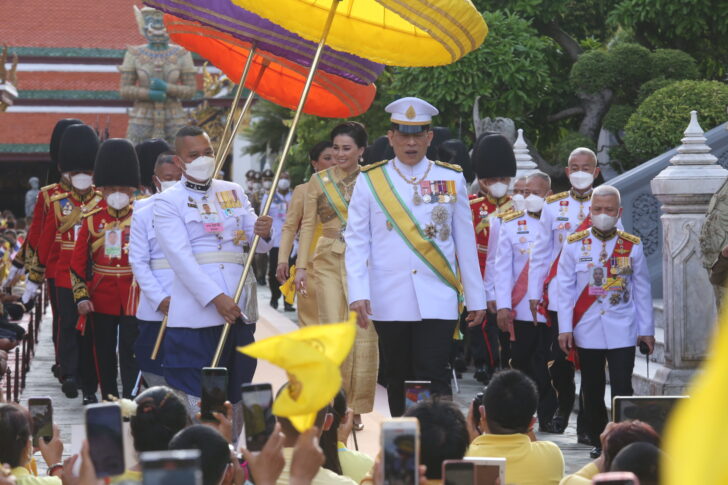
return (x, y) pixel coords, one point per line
(305, 304)
(327, 201)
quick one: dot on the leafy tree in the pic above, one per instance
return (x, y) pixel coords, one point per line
(659, 122)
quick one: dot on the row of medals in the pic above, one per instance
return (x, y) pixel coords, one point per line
(438, 226)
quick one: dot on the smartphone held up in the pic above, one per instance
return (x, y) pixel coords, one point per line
(214, 392)
(400, 444)
(41, 414)
(258, 418)
(104, 434)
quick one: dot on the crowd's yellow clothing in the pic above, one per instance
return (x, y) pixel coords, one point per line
(527, 462)
(306, 305)
(24, 477)
(354, 464)
(323, 477)
(359, 370)
(128, 476)
(583, 476)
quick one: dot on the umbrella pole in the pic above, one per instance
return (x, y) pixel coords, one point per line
(279, 170)
(218, 162)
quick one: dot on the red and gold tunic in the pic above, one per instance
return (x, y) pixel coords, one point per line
(62, 224)
(36, 273)
(100, 269)
(482, 207)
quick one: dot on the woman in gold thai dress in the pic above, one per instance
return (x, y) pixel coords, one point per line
(327, 201)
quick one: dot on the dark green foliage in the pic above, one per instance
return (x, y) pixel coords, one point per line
(617, 116)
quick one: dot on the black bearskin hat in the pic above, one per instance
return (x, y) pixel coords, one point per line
(147, 153)
(116, 164)
(493, 157)
(78, 147)
(455, 151)
(57, 134)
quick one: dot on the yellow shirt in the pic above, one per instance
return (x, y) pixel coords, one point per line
(323, 477)
(527, 462)
(354, 464)
(24, 477)
(128, 476)
(584, 475)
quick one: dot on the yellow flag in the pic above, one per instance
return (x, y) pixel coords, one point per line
(695, 435)
(288, 288)
(311, 356)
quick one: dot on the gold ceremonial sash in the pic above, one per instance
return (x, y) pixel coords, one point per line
(407, 227)
(72, 219)
(333, 195)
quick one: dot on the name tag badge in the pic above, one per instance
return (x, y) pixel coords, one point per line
(210, 219)
(597, 281)
(112, 243)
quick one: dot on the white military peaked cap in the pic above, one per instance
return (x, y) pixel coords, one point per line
(411, 114)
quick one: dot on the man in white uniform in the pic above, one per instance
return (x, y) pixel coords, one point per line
(151, 271)
(605, 305)
(278, 211)
(203, 226)
(411, 260)
(530, 342)
(562, 215)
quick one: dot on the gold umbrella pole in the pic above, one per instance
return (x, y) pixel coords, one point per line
(218, 162)
(279, 170)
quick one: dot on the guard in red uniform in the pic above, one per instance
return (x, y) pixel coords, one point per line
(29, 251)
(76, 158)
(100, 270)
(495, 164)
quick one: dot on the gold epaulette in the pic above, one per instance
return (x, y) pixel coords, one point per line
(142, 196)
(629, 237)
(555, 197)
(366, 168)
(48, 187)
(511, 215)
(59, 196)
(476, 200)
(578, 236)
(451, 166)
(90, 213)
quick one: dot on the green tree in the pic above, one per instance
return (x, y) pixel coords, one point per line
(660, 120)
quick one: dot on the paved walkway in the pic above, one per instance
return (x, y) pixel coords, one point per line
(68, 414)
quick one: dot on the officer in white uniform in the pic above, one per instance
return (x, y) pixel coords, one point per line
(530, 342)
(204, 226)
(408, 287)
(151, 271)
(278, 211)
(605, 305)
(562, 215)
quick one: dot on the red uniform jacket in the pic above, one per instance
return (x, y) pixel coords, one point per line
(483, 207)
(36, 273)
(62, 223)
(100, 269)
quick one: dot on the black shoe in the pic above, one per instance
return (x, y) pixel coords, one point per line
(479, 373)
(261, 282)
(559, 424)
(288, 307)
(459, 365)
(56, 369)
(70, 388)
(89, 399)
(274, 303)
(583, 439)
(485, 376)
(547, 428)
(596, 452)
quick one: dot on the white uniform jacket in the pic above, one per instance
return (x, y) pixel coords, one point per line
(623, 308)
(560, 216)
(382, 268)
(491, 272)
(278, 210)
(516, 238)
(154, 284)
(205, 262)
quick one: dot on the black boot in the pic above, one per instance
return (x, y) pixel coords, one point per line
(287, 307)
(70, 388)
(274, 303)
(89, 399)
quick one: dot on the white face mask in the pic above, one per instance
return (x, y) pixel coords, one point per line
(82, 181)
(165, 184)
(284, 184)
(534, 203)
(249, 185)
(117, 200)
(604, 222)
(581, 180)
(256, 186)
(201, 168)
(498, 189)
(267, 184)
(518, 202)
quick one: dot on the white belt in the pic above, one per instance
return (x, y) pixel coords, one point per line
(213, 257)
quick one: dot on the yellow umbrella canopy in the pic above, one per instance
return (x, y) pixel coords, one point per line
(411, 33)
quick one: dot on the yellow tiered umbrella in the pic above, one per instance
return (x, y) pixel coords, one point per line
(395, 32)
